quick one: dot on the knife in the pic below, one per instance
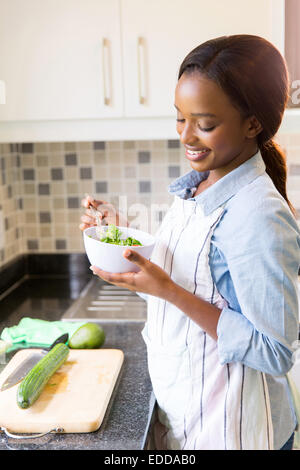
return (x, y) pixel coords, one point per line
(22, 369)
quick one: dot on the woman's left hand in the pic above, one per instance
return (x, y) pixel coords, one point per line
(151, 279)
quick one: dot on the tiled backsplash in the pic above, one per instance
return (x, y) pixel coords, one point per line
(42, 184)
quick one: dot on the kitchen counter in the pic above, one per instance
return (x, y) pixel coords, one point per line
(126, 421)
(46, 298)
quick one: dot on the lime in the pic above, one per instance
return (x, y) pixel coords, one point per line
(88, 336)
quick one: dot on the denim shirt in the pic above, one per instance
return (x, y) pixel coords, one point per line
(254, 260)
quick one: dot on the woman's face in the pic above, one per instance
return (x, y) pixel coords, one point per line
(212, 130)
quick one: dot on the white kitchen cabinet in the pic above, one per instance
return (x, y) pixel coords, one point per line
(60, 59)
(91, 69)
(157, 35)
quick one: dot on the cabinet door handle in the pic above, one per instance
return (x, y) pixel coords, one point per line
(107, 88)
(141, 55)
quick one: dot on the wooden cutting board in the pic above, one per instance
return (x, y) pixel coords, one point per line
(75, 398)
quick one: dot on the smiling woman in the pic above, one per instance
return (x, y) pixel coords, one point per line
(222, 305)
(209, 138)
(239, 100)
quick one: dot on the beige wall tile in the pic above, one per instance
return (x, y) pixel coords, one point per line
(59, 231)
(43, 174)
(159, 157)
(30, 217)
(174, 157)
(41, 147)
(159, 186)
(114, 172)
(31, 231)
(11, 251)
(145, 170)
(116, 186)
(130, 157)
(85, 158)
(107, 165)
(72, 228)
(159, 171)
(60, 217)
(143, 144)
(44, 203)
(70, 146)
(8, 205)
(72, 188)
(114, 158)
(113, 145)
(100, 172)
(73, 217)
(59, 203)
(42, 160)
(58, 187)
(130, 187)
(84, 146)
(45, 231)
(129, 144)
(57, 160)
(294, 140)
(293, 155)
(56, 146)
(85, 186)
(5, 148)
(71, 173)
(46, 246)
(76, 245)
(158, 144)
(100, 157)
(28, 161)
(29, 203)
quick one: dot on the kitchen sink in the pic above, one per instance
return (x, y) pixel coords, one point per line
(106, 302)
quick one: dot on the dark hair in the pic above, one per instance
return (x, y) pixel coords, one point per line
(253, 73)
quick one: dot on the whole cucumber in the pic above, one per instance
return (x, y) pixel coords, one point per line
(33, 384)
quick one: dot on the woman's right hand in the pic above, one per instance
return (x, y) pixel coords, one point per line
(107, 214)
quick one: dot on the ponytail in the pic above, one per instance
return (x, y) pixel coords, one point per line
(276, 167)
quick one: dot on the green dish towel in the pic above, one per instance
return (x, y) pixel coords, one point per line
(40, 332)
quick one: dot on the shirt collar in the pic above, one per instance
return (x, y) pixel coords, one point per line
(225, 188)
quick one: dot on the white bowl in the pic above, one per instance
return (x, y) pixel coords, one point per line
(108, 257)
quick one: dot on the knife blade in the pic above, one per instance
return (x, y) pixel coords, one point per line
(22, 369)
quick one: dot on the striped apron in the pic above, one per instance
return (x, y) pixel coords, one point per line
(201, 403)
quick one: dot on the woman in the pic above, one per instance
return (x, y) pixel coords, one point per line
(222, 280)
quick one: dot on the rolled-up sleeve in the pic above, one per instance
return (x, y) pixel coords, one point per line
(263, 264)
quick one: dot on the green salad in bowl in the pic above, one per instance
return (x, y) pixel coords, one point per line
(105, 247)
(113, 235)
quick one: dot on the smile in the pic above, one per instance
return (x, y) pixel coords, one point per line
(196, 155)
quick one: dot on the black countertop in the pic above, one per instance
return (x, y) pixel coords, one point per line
(126, 421)
(46, 298)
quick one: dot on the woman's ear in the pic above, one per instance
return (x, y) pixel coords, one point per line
(254, 127)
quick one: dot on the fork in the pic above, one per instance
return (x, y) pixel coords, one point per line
(96, 213)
